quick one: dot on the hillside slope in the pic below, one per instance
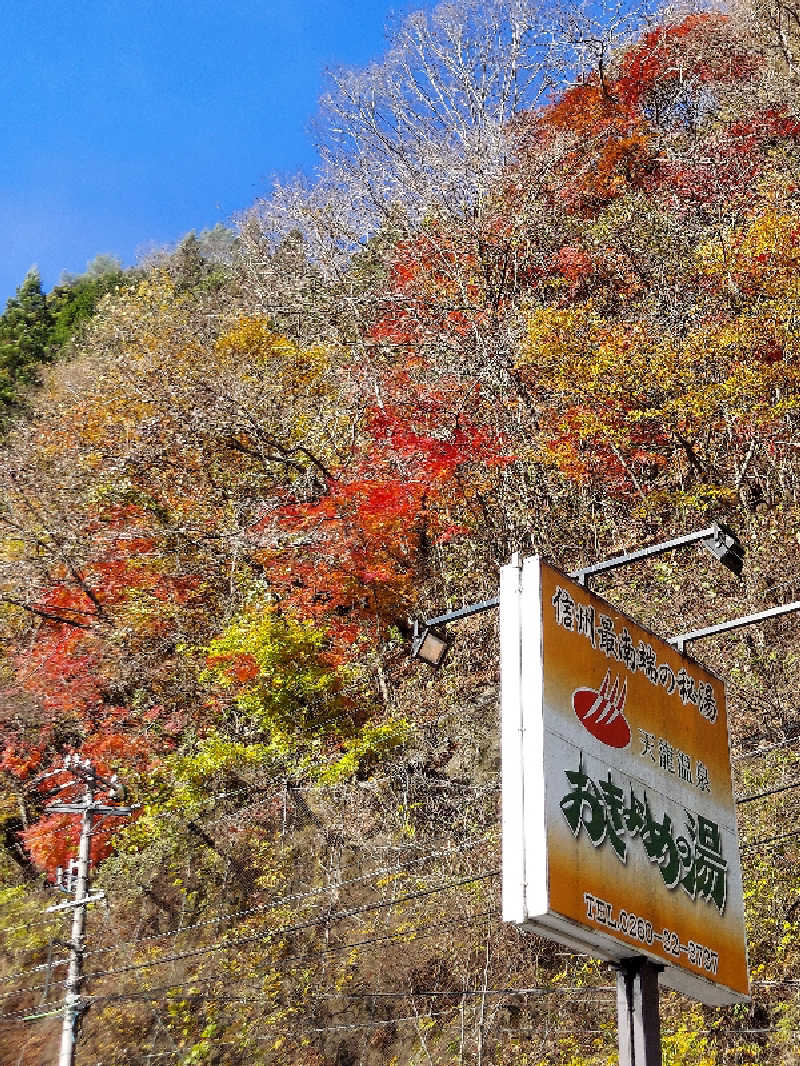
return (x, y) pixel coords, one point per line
(225, 509)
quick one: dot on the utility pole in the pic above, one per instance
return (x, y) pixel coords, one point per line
(81, 771)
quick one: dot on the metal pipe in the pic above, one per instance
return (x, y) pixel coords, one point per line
(644, 553)
(463, 612)
(719, 539)
(683, 639)
(585, 572)
(639, 1025)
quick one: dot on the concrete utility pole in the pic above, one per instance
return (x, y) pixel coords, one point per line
(80, 771)
(76, 945)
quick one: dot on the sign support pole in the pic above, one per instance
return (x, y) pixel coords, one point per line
(638, 1021)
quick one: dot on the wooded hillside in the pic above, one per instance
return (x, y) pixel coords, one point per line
(543, 296)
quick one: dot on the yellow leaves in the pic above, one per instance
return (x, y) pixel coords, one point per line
(688, 1044)
(373, 743)
(762, 259)
(630, 402)
(285, 682)
(392, 879)
(557, 337)
(252, 340)
(12, 548)
(574, 349)
(21, 927)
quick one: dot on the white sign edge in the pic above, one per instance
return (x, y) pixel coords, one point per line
(525, 890)
(512, 795)
(524, 885)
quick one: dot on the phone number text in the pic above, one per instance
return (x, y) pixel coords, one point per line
(638, 928)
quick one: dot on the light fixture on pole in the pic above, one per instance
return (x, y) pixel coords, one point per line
(717, 538)
(724, 544)
(429, 644)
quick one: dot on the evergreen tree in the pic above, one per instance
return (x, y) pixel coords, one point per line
(74, 301)
(24, 338)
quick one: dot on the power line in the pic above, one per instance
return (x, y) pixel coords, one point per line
(418, 932)
(269, 934)
(269, 795)
(770, 840)
(28, 925)
(537, 990)
(425, 930)
(374, 1024)
(545, 1030)
(533, 991)
(768, 792)
(156, 1007)
(273, 904)
(766, 751)
(295, 897)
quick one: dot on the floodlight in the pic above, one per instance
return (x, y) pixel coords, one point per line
(430, 645)
(724, 544)
(430, 642)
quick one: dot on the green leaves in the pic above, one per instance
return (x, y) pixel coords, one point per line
(277, 670)
(24, 338)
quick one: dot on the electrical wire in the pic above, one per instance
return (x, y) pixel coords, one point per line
(766, 751)
(33, 923)
(769, 840)
(768, 792)
(275, 904)
(496, 788)
(192, 985)
(533, 991)
(270, 934)
(415, 932)
(544, 1030)
(368, 997)
(374, 1024)
(298, 896)
(537, 990)
(155, 1007)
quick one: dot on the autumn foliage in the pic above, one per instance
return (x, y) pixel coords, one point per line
(227, 507)
(332, 490)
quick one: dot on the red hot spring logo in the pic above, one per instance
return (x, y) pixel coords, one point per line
(600, 711)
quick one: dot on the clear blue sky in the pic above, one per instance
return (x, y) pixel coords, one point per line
(130, 121)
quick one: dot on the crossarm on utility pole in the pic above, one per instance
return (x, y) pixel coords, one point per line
(82, 773)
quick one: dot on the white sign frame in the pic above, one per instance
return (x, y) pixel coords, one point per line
(530, 747)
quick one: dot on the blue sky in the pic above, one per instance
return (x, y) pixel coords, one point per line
(129, 122)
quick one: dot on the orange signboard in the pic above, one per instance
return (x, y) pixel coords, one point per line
(619, 823)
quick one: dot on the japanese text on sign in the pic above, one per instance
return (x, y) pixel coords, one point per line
(600, 631)
(694, 860)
